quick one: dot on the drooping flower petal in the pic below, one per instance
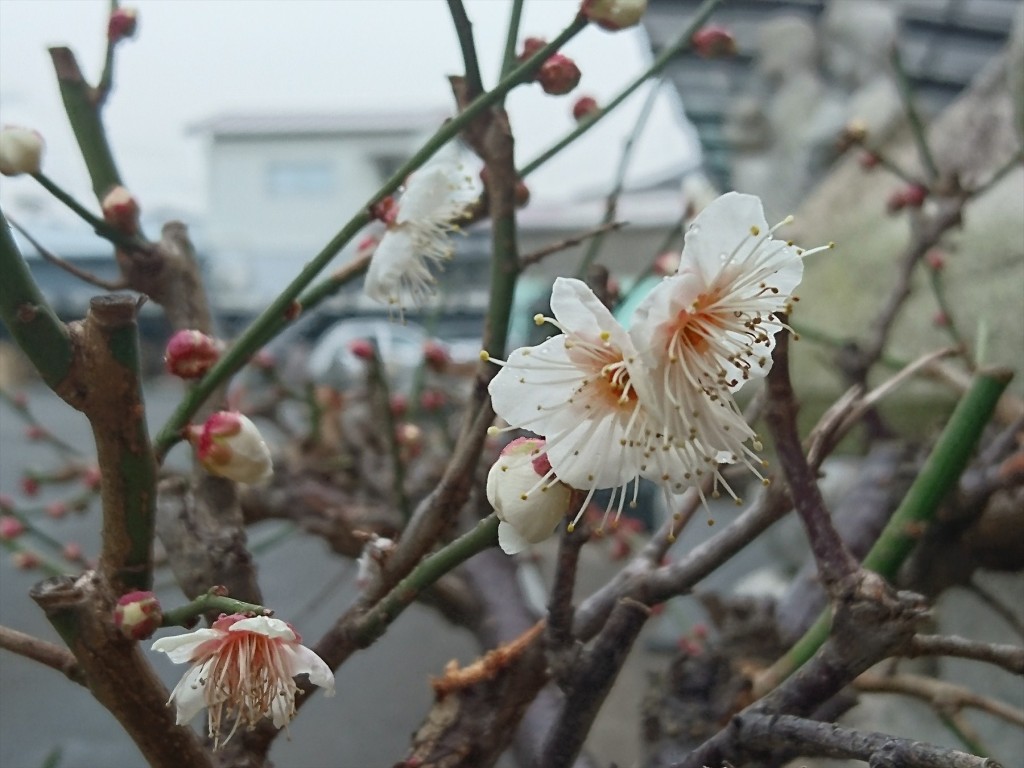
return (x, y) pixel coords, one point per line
(242, 670)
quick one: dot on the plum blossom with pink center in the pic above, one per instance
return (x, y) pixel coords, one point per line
(417, 237)
(243, 670)
(658, 401)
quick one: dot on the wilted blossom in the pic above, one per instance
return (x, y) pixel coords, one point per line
(21, 150)
(658, 401)
(528, 499)
(417, 237)
(242, 671)
(228, 444)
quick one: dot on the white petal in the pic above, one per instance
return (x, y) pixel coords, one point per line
(437, 193)
(397, 270)
(189, 695)
(576, 307)
(180, 648)
(264, 625)
(303, 661)
(536, 382)
(719, 229)
(510, 540)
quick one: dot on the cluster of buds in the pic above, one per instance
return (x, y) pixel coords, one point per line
(614, 15)
(229, 445)
(138, 615)
(122, 24)
(910, 196)
(713, 41)
(558, 75)
(584, 107)
(21, 150)
(190, 354)
(121, 210)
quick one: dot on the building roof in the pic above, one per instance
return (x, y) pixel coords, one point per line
(320, 123)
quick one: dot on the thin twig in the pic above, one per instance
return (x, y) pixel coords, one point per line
(945, 697)
(997, 605)
(1009, 657)
(913, 117)
(533, 257)
(816, 739)
(67, 266)
(42, 651)
(464, 31)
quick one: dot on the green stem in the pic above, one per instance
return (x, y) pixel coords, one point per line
(913, 116)
(86, 122)
(99, 226)
(377, 620)
(681, 43)
(508, 58)
(274, 317)
(31, 321)
(464, 31)
(186, 615)
(937, 478)
(380, 399)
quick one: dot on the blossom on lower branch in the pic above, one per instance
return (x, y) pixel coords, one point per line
(242, 670)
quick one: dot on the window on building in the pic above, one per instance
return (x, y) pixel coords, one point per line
(300, 178)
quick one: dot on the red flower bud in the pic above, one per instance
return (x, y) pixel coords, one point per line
(584, 107)
(29, 485)
(935, 259)
(190, 354)
(521, 194)
(6, 502)
(432, 399)
(435, 356)
(869, 160)
(399, 405)
(91, 478)
(10, 528)
(362, 348)
(558, 75)
(914, 195)
(121, 210)
(72, 552)
(385, 210)
(56, 510)
(228, 444)
(123, 23)
(713, 41)
(530, 46)
(138, 615)
(26, 561)
(35, 432)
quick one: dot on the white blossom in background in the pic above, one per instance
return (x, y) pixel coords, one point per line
(417, 236)
(242, 670)
(527, 498)
(375, 552)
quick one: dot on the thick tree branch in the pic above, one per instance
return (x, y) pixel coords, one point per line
(51, 655)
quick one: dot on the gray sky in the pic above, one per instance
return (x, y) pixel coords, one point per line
(192, 59)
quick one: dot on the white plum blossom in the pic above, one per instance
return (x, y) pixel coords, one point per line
(528, 499)
(242, 669)
(711, 327)
(658, 401)
(584, 390)
(417, 236)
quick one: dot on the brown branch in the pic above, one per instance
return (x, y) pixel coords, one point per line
(1009, 657)
(947, 698)
(560, 608)
(529, 259)
(835, 563)
(51, 655)
(81, 274)
(118, 674)
(815, 739)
